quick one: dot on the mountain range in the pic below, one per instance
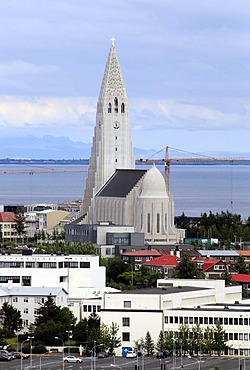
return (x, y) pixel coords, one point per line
(52, 147)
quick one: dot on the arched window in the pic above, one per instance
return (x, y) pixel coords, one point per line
(110, 108)
(148, 223)
(116, 105)
(122, 108)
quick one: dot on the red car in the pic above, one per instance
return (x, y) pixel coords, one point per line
(20, 355)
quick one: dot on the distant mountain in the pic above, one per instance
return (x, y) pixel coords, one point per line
(52, 147)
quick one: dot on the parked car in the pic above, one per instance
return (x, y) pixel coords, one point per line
(102, 355)
(20, 355)
(5, 355)
(163, 354)
(131, 354)
(72, 359)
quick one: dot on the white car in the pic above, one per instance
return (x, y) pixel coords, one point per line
(131, 354)
(72, 359)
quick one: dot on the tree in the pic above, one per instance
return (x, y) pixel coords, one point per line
(160, 342)
(186, 269)
(220, 343)
(241, 266)
(10, 318)
(115, 341)
(208, 340)
(149, 344)
(20, 226)
(80, 332)
(52, 320)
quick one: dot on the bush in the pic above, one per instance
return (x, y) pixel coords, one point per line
(39, 349)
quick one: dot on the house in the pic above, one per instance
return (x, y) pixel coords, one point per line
(243, 280)
(224, 255)
(8, 231)
(29, 299)
(212, 268)
(165, 264)
(137, 258)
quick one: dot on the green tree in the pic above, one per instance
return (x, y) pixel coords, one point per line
(20, 226)
(182, 342)
(186, 269)
(10, 319)
(160, 342)
(115, 341)
(220, 343)
(149, 344)
(241, 266)
(80, 332)
(208, 340)
(52, 320)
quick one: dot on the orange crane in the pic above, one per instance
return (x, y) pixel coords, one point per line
(167, 161)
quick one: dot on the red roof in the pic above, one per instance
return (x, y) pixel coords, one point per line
(241, 278)
(7, 216)
(207, 262)
(163, 261)
(143, 252)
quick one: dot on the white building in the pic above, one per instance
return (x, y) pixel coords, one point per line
(175, 302)
(29, 299)
(115, 191)
(74, 273)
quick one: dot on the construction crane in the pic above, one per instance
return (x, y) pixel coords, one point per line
(167, 161)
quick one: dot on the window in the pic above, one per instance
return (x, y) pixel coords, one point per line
(245, 336)
(211, 321)
(191, 320)
(15, 299)
(230, 336)
(185, 320)
(166, 319)
(89, 308)
(235, 321)
(148, 223)
(181, 320)
(176, 319)
(25, 310)
(84, 265)
(240, 321)
(158, 223)
(200, 320)
(116, 105)
(125, 337)
(98, 308)
(125, 321)
(230, 321)
(225, 320)
(205, 320)
(171, 319)
(235, 336)
(36, 311)
(127, 304)
(122, 108)
(26, 299)
(110, 108)
(245, 321)
(84, 308)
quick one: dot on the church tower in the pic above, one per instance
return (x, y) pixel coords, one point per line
(112, 144)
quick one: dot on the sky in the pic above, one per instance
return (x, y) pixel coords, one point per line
(185, 64)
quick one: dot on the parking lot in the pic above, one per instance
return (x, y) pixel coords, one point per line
(54, 362)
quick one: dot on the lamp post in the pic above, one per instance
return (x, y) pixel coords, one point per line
(93, 351)
(17, 333)
(30, 340)
(26, 340)
(69, 336)
(62, 349)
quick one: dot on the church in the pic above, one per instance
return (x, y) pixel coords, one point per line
(121, 204)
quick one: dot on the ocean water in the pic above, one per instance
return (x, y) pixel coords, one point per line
(196, 188)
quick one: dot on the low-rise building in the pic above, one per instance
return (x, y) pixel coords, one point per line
(8, 231)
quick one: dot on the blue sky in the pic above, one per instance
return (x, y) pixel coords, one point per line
(185, 63)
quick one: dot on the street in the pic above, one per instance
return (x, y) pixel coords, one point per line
(54, 362)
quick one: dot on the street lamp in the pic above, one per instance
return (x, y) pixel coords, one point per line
(62, 349)
(93, 351)
(69, 336)
(26, 340)
(30, 340)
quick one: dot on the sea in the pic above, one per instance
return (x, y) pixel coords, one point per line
(196, 188)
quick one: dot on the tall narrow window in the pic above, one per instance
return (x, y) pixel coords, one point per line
(122, 108)
(158, 222)
(116, 105)
(148, 223)
(110, 108)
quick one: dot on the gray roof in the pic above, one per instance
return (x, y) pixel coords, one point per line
(218, 253)
(32, 291)
(162, 291)
(121, 183)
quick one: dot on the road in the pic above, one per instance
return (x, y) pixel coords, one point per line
(54, 362)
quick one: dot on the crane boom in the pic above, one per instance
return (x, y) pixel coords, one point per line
(167, 161)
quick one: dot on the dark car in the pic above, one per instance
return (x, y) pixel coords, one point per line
(102, 355)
